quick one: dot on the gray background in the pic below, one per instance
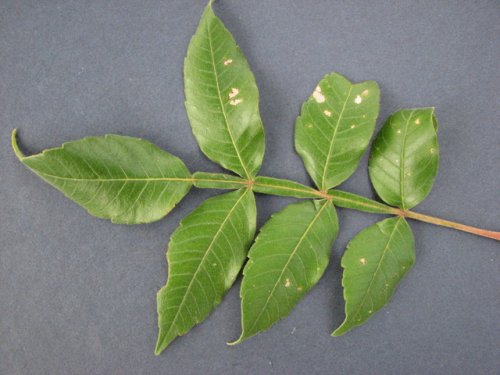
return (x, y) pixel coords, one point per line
(77, 294)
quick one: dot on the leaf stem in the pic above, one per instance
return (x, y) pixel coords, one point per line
(281, 187)
(449, 224)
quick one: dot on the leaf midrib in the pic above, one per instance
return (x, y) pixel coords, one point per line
(384, 252)
(145, 179)
(332, 141)
(223, 108)
(292, 254)
(402, 162)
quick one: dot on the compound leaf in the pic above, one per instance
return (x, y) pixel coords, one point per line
(128, 180)
(404, 157)
(222, 100)
(287, 259)
(375, 261)
(205, 254)
(334, 128)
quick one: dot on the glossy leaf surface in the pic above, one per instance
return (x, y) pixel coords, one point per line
(128, 180)
(222, 100)
(374, 263)
(205, 254)
(334, 128)
(404, 157)
(287, 259)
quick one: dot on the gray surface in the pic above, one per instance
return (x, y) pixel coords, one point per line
(77, 294)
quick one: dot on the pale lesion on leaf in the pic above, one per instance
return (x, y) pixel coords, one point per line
(318, 95)
(232, 96)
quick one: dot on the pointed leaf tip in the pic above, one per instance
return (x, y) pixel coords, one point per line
(235, 342)
(224, 114)
(127, 180)
(15, 146)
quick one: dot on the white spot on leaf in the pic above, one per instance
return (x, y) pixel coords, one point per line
(287, 282)
(309, 126)
(366, 92)
(228, 61)
(318, 95)
(232, 96)
(417, 121)
(327, 113)
(432, 150)
(358, 99)
(353, 126)
(235, 101)
(234, 91)
(362, 261)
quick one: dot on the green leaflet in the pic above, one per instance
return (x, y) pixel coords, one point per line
(334, 128)
(128, 180)
(287, 259)
(404, 157)
(284, 188)
(375, 261)
(206, 180)
(205, 254)
(222, 100)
